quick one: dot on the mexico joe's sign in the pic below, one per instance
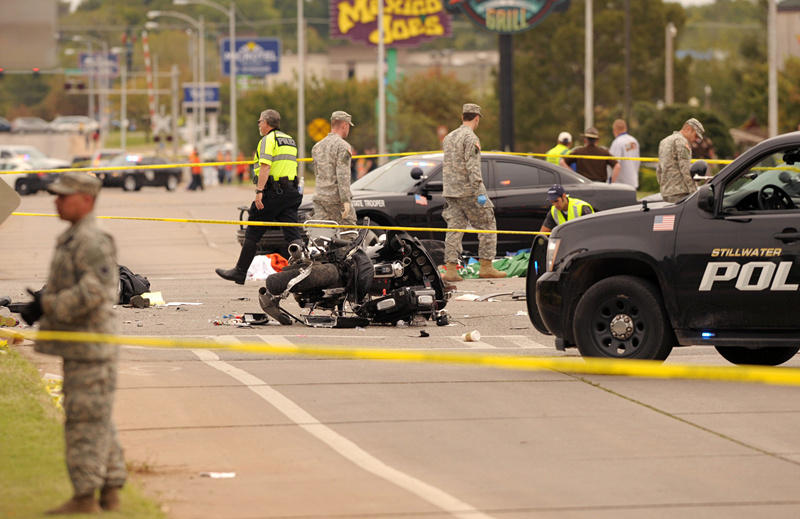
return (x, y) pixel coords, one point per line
(405, 22)
(507, 16)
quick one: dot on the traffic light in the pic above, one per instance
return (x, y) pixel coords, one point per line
(35, 71)
(2, 72)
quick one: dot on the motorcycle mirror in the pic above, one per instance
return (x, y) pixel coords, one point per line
(416, 173)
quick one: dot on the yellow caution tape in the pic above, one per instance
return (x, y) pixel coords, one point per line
(289, 224)
(591, 366)
(94, 169)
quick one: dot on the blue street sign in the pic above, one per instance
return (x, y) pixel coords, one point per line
(254, 56)
(192, 95)
(95, 64)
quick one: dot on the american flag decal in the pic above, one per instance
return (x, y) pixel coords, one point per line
(664, 222)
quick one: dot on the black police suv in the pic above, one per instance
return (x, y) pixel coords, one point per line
(407, 192)
(721, 267)
(134, 179)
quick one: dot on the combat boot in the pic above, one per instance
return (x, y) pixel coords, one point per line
(488, 271)
(238, 273)
(84, 504)
(109, 498)
(235, 275)
(451, 273)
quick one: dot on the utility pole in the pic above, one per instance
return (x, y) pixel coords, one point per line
(301, 89)
(669, 36)
(381, 87)
(627, 108)
(588, 86)
(174, 85)
(772, 51)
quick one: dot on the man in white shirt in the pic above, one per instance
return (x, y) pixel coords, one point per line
(624, 145)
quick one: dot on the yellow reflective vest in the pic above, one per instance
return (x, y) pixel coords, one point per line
(574, 210)
(278, 151)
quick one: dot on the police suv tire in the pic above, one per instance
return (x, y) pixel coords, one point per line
(129, 183)
(171, 183)
(633, 307)
(22, 187)
(770, 356)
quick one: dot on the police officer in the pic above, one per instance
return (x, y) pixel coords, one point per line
(79, 296)
(277, 197)
(561, 148)
(465, 196)
(674, 160)
(332, 166)
(563, 208)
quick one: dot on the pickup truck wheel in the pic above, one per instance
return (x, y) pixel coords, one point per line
(622, 317)
(771, 356)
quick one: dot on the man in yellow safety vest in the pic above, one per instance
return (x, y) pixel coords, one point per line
(277, 196)
(563, 208)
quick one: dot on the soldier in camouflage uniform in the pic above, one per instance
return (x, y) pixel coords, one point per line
(465, 196)
(80, 293)
(332, 166)
(675, 159)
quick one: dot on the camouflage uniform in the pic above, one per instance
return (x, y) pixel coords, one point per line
(463, 183)
(332, 166)
(674, 161)
(80, 292)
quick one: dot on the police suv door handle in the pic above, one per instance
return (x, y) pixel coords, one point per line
(787, 235)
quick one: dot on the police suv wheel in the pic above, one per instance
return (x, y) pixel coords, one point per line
(22, 187)
(770, 356)
(129, 183)
(172, 182)
(622, 317)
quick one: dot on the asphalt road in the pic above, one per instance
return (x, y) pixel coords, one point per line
(319, 438)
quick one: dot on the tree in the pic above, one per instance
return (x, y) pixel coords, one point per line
(549, 67)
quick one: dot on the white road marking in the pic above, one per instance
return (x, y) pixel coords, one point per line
(526, 343)
(339, 443)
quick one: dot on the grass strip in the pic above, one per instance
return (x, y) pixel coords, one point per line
(33, 475)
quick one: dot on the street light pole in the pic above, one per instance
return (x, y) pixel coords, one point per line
(381, 87)
(231, 13)
(199, 27)
(669, 37)
(301, 89)
(772, 74)
(588, 85)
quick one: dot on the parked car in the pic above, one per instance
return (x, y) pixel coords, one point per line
(103, 156)
(17, 153)
(408, 192)
(5, 126)
(74, 124)
(135, 179)
(28, 183)
(30, 125)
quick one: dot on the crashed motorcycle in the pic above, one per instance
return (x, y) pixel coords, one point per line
(342, 282)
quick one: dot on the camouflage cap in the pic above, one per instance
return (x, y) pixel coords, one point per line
(695, 124)
(339, 115)
(75, 182)
(471, 108)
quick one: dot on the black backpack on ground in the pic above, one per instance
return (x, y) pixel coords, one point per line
(130, 285)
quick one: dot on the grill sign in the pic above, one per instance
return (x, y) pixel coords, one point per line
(508, 16)
(405, 22)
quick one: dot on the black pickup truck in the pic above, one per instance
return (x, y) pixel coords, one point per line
(721, 267)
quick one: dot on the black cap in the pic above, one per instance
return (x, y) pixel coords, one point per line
(555, 192)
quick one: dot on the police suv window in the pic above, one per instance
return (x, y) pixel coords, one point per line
(771, 184)
(513, 175)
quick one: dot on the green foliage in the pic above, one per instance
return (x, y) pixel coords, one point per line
(422, 103)
(549, 67)
(656, 124)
